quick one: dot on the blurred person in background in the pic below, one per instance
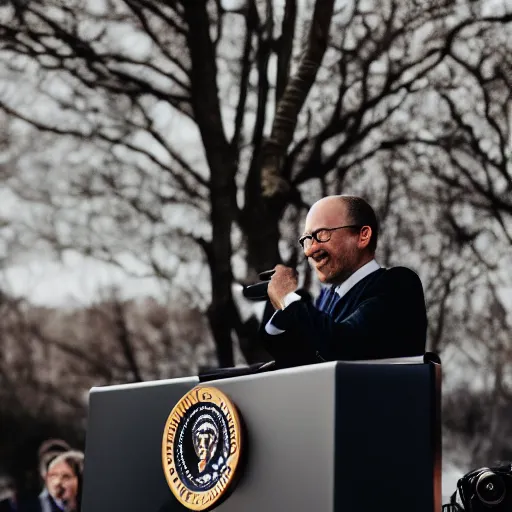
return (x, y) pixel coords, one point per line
(8, 502)
(49, 451)
(64, 480)
(10, 499)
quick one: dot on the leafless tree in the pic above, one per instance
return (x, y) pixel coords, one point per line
(369, 93)
(50, 358)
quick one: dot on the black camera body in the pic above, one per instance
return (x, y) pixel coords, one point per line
(487, 489)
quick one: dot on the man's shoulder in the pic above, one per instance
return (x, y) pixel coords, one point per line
(395, 276)
(401, 271)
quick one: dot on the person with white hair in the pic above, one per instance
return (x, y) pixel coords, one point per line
(48, 451)
(64, 480)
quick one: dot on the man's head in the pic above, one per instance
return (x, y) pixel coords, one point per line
(64, 478)
(343, 232)
(48, 451)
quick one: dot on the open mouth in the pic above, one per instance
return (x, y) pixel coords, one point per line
(320, 259)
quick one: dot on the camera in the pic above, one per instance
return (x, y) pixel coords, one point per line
(487, 489)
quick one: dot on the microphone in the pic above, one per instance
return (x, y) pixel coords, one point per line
(258, 291)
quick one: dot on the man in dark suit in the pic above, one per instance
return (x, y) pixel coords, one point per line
(367, 312)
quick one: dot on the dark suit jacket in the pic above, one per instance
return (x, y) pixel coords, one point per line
(382, 316)
(25, 504)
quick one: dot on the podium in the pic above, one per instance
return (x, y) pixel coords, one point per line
(336, 436)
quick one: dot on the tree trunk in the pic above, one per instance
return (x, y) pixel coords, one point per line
(292, 100)
(260, 223)
(221, 216)
(221, 160)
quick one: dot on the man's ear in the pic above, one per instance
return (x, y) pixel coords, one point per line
(365, 236)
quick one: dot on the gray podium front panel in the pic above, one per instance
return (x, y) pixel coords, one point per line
(123, 465)
(332, 437)
(290, 422)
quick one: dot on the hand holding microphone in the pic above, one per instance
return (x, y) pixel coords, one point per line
(280, 281)
(258, 291)
(284, 281)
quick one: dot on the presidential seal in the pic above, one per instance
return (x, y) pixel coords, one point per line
(201, 448)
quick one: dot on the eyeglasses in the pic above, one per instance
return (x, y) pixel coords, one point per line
(321, 235)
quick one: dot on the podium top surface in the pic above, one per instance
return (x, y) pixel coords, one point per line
(303, 370)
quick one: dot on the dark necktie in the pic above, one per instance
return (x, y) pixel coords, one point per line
(331, 300)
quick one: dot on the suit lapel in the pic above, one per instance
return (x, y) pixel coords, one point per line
(347, 304)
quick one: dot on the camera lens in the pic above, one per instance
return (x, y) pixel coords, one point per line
(490, 488)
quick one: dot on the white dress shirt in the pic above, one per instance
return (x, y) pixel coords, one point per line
(342, 289)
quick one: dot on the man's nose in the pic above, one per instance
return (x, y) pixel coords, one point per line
(310, 247)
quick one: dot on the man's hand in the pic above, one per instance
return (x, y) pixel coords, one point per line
(283, 281)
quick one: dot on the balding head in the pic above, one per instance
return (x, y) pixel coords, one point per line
(345, 232)
(330, 209)
(344, 210)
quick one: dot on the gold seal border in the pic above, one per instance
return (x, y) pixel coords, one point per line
(207, 499)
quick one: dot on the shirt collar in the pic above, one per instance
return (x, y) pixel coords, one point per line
(357, 276)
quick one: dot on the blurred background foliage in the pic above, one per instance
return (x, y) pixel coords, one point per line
(182, 142)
